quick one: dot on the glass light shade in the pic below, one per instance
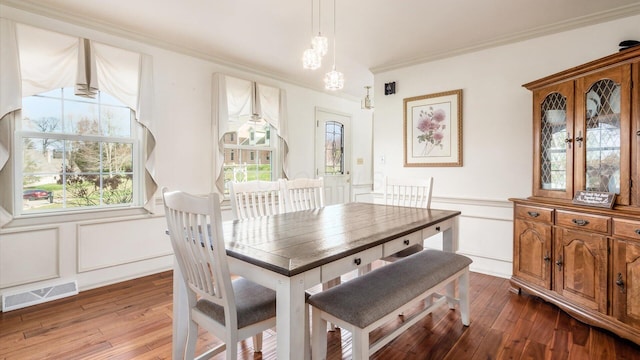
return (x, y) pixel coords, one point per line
(333, 80)
(320, 44)
(311, 59)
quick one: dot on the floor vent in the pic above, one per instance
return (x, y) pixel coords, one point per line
(38, 296)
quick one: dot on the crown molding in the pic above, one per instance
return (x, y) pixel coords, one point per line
(592, 19)
(43, 9)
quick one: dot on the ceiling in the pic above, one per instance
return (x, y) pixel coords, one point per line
(268, 37)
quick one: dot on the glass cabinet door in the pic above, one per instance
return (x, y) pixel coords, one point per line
(553, 176)
(602, 138)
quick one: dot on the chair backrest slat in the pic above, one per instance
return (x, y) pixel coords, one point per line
(195, 228)
(303, 194)
(255, 198)
(408, 192)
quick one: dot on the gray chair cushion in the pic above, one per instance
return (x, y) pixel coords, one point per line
(254, 303)
(367, 298)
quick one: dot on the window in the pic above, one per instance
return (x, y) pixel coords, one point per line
(334, 148)
(81, 152)
(251, 130)
(79, 113)
(254, 148)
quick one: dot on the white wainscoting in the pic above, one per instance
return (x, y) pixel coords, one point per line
(116, 242)
(485, 234)
(29, 256)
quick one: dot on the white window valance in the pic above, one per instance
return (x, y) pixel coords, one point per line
(35, 60)
(234, 101)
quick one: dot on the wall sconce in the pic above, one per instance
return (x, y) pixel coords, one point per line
(390, 88)
(366, 102)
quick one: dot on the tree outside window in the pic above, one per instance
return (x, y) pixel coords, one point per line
(80, 151)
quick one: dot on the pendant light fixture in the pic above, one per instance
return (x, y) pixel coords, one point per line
(320, 43)
(311, 58)
(334, 80)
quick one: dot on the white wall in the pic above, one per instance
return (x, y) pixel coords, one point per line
(497, 128)
(96, 252)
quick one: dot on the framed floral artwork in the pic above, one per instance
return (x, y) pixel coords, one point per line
(433, 129)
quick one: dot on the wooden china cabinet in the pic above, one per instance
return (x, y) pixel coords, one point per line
(585, 259)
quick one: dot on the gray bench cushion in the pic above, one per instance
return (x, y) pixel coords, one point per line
(367, 298)
(254, 303)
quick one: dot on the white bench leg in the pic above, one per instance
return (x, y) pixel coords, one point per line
(326, 286)
(318, 335)
(463, 290)
(307, 331)
(451, 294)
(359, 344)
(257, 342)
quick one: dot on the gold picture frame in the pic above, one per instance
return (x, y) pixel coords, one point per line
(433, 129)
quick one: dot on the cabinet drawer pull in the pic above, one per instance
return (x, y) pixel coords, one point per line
(580, 222)
(437, 228)
(357, 261)
(533, 213)
(406, 241)
(620, 282)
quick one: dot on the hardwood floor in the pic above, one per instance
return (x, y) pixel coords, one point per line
(132, 320)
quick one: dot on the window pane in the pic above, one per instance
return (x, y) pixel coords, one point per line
(42, 114)
(81, 118)
(115, 121)
(248, 152)
(65, 171)
(334, 163)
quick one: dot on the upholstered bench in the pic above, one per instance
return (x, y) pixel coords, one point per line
(368, 301)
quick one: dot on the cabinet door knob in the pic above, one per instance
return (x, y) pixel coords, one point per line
(638, 231)
(533, 213)
(568, 140)
(406, 241)
(357, 261)
(546, 258)
(638, 133)
(559, 263)
(437, 228)
(580, 222)
(579, 139)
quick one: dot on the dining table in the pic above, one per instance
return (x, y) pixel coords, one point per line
(295, 251)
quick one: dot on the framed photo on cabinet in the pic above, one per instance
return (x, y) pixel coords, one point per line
(433, 129)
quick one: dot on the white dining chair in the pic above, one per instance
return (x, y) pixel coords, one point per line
(255, 198)
(409, 192)
(303, 194)
(230, 310)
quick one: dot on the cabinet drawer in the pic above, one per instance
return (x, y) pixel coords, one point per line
(401, 243)
(342, 266)
(534, 213)
(582, 221)
(626, 228)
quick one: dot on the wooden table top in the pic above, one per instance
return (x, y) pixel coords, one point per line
(295, 242)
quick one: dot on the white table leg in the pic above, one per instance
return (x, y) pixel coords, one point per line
(450, 237)
(180, 313)
(290, 323)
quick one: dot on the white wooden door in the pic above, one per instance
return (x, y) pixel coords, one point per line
(333, 154)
